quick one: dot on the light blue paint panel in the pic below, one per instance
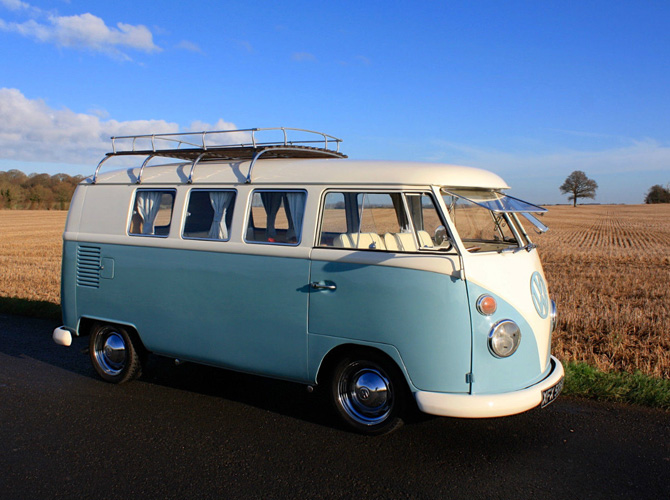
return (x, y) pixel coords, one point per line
(68, 293)
(243, 312)
(423, 315)
(320, 345)
(493, 375)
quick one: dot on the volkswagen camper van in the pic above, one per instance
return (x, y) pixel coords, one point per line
(388, 285)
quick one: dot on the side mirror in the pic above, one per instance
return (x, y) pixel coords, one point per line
(441, 237)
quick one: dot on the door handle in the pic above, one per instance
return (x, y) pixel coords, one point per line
(322, 286)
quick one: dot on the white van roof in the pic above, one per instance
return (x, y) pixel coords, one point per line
(295, 171)
(275, 156)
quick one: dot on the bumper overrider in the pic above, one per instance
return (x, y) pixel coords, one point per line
(494, 405)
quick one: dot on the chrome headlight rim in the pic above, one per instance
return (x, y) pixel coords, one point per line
(553, 316)
(498, 329)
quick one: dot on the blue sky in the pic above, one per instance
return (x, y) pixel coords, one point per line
(530, 90)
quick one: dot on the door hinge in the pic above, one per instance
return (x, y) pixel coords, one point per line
(469, 378)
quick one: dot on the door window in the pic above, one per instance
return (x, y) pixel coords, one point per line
(393, 222)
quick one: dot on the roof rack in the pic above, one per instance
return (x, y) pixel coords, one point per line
(242, 144)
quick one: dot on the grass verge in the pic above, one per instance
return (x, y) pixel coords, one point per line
(586, 381)
(34, 308)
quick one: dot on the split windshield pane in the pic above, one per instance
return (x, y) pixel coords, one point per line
(480, 227)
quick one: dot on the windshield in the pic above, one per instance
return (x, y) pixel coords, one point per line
(487, 220)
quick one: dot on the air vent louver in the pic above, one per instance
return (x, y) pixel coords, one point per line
(88, 266)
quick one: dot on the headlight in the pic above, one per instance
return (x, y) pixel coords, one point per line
(504, 338)
(553, 316)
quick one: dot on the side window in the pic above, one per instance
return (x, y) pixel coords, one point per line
(366, 221)
(276, 217)
(152, 212)
(209, 214)
(429, 228)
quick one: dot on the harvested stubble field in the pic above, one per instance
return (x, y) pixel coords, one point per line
(608, 269)
(30, 252)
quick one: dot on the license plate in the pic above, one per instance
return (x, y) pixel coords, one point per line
(549, 395)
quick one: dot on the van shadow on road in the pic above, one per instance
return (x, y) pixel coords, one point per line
(238, 433)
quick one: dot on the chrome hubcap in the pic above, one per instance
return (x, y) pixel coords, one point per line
(110, 353)
(365, 394)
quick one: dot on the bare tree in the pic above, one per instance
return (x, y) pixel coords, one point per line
(577, 185)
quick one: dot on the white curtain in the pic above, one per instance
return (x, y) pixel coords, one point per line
(271, 203)
(296, 204)
(148, 205)
(220, 201)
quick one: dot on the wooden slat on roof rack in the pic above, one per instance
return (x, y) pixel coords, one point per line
(236, 153)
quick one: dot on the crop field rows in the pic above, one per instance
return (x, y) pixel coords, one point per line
(30, 253)
(608, 269)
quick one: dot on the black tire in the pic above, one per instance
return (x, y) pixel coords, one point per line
(115, 354)
(368, 393)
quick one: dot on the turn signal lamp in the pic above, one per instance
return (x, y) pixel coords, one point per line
(486, 305)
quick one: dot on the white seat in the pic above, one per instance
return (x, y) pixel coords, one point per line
(359, 240)
(425, 240)
(406, 242)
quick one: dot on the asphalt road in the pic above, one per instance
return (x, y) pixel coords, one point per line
(190, 431)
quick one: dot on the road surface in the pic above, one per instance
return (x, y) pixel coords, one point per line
(190, 431)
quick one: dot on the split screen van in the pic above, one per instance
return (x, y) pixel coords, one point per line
(386, 284)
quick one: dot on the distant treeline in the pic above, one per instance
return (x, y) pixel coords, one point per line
(36, 191)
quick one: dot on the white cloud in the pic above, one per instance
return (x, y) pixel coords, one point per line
(246, 46)
(363, 60)
(31, 130)
(82, 32)
(303, 57)
(16, 5)
(220, 139)
(623, 172)
(634, 155)
(190, 46)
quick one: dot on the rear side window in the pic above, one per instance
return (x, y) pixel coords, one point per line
(209, 214)
(276, 217)
(152, 212)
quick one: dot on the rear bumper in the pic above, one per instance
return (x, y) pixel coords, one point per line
(489, 405)
(62, 336)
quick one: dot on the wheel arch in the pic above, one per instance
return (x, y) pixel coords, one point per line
(86, 325)
(340, 351)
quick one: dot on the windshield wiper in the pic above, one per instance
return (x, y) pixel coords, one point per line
(528, 248)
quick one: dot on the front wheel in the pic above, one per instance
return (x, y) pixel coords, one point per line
(114, 354)
(367, 392)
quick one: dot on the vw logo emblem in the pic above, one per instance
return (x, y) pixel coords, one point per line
(538, 291)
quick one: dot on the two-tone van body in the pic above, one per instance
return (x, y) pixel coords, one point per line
(382, 282)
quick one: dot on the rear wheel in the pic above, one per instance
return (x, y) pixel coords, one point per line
(368, 393)
(114, 353)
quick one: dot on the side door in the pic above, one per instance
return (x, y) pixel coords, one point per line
(378, 276)
(241, 305)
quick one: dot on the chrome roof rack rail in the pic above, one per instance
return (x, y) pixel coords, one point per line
(139, 177)
(276, 151)
(226, 145)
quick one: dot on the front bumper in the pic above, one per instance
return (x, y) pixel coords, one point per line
(489, 405)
